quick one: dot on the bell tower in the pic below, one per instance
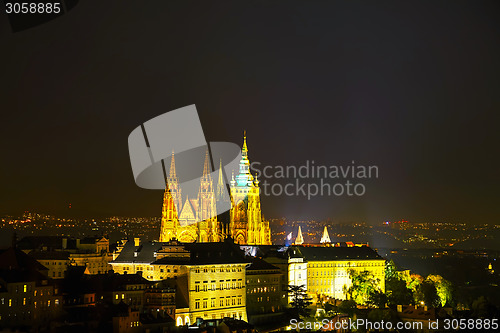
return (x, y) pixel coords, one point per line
(246, 225)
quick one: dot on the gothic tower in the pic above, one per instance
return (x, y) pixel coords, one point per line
(169, 220)
(173, 184)
(206, 211)
(247, 226)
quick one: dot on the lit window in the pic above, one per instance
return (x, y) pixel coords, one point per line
(24, 289)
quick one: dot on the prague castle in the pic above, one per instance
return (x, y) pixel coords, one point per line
(245, 225)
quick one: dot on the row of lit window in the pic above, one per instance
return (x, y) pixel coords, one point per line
(262, 299)
(53, 263)
(220, 270)
(258, 280)
(348, 264)
(25, 301)
(327, 273)
(319, 282)
(205, 315)
(27, 288)
(222, 285)
(228, 301)
(117, 296)
(149, 268)
(262, 290)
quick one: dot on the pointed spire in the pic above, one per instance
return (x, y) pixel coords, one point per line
(233, 182)
(220, 184)
(325, 238)
(172, 175)
(206, 167)
(221, 180)
(245, 149)
(300, 239)
(244, 177)
(173, 184)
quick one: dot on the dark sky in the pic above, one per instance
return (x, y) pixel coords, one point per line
(412, 87)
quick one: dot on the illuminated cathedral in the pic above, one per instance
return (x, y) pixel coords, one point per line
(245, 224)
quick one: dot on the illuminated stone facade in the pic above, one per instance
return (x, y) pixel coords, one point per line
(58, 253)
(266, 297)
(245, 226)
(217, 291)
(324, 270)
(328, 268)
(209, 277)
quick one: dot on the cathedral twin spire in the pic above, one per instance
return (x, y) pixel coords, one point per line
(206, 185)
(244, 223)
(172, 174)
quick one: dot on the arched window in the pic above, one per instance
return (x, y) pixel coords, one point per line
(179, 321)
(240, 239)
(241, 211)
(187, 321)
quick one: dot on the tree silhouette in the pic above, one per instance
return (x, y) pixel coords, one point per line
(300, 301)
(426, 292)
(397, 292)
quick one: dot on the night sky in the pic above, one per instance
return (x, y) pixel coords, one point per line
(412, 87)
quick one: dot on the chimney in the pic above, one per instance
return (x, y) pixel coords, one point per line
(78, 243)
(137, 241)
(64, 243)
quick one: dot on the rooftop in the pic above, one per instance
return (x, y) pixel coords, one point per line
(334, 253)
(182, 253)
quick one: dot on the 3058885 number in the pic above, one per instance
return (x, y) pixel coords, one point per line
(472, 324)
(33, 8)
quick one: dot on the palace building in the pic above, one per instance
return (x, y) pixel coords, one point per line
(209, 278)
(246, 224)
(328, 267)
(324, 270)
